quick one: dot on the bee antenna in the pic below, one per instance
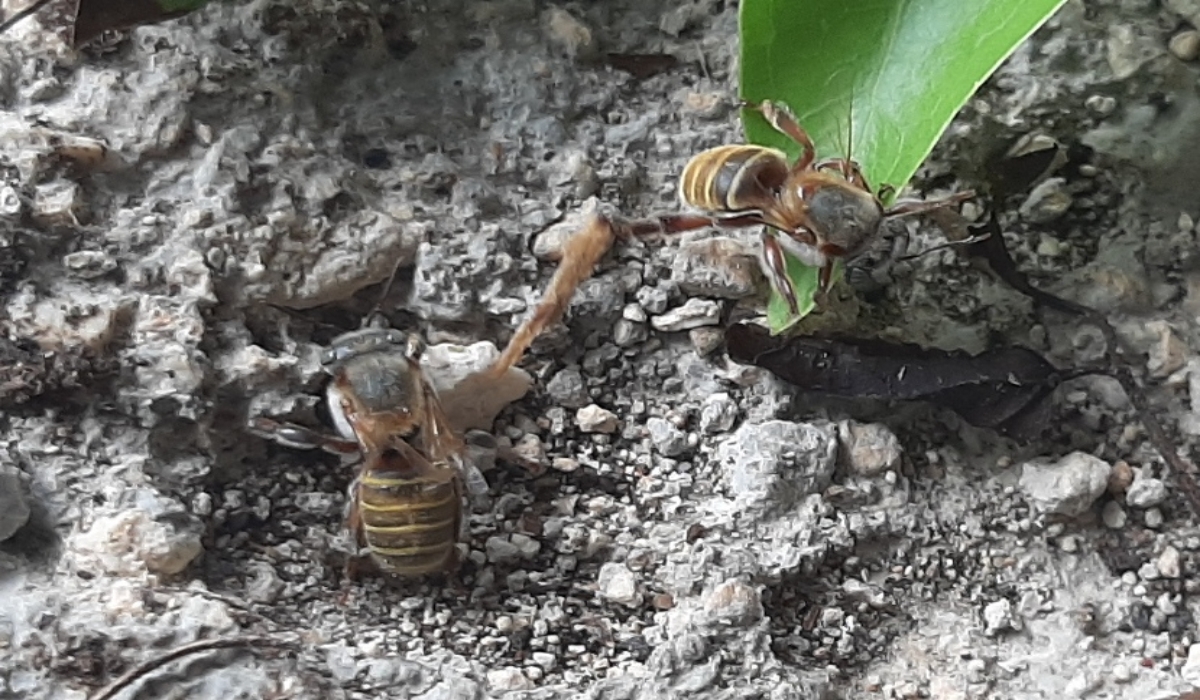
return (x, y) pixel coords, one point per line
(297, 315)
(374, 316)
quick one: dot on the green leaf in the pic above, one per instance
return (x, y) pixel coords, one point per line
(897, 70)
(805, 279)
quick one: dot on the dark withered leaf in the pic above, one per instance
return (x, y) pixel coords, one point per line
(80, 21)
(94, 17)
(1004, 389)
(642, 65)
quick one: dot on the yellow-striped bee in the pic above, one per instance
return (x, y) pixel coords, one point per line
(407, 501)
(818, 211)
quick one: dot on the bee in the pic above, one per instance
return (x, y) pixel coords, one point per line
(406, 503)
(817, 211)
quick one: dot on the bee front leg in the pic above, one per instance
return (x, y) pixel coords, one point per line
(300, 437)
(774, 266)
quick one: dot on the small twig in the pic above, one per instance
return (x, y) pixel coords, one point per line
(22, 14)
(110, 691)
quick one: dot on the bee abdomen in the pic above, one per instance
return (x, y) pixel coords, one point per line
(733, 178)
(411, 525)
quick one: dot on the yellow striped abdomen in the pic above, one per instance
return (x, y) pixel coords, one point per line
(733, 178)
(411, 524)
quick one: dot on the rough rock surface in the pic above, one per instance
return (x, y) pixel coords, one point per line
(701, 526)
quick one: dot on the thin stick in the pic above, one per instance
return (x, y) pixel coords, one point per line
(111, 690)
(22, 14)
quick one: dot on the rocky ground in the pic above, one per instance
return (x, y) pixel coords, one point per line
(701, 524)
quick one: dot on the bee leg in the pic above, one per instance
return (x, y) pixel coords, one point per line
(908, 207)
(681, 223)
(578, 261)
(774, 266)
(779, 117)
(300, 437)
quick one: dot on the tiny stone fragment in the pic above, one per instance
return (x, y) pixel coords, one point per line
(1168, 354)
(1047, 201)
(1113, 515)
(733, 603)
(1067, 487)
(1146, 492)
(1169, 563)
(868, 449)
(706, 339)
(568, 389)
(998, 617)
(718, 413)
(1120, 478)
(594, 419)
(57, 204)
(722, 267)
(667, 439)
(693, 314)
(567, 31)
(617, 584)
(1185, 45)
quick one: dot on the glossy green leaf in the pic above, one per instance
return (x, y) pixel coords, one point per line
(896, 71)
(805, 280)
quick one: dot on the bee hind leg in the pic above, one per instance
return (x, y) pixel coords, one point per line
(783, 121)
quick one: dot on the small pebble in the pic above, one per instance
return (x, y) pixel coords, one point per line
(1154, 518)
(868, 449)
(1113, 516)
(1168, 563)
(667, 439)
(998, 617)
(718, 413)
(1146, 492)
(594, 419)
(616, 583)
(1067, 487)
(733, 603)
(705, 340)
(1120, 477)
(1190, 672)
(1185, 45)
(568, 389)
(693, 314)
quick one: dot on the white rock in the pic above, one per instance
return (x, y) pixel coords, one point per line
(693, 314)
(733, 603)
(868, 449)
(1146, 492)
(1113, 516)
(618, 584)
(471, 398)
(1067, 487)
(1168, 563)
(997, 617)
(1190, 672)
(507, 679)
(594, 419)
(718, 413)
(132, 542)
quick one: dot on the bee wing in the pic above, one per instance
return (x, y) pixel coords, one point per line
(444, 443)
